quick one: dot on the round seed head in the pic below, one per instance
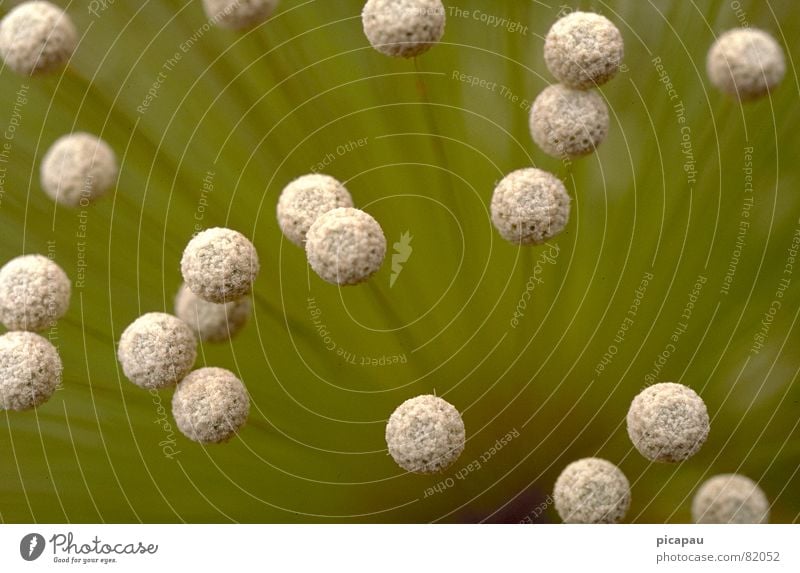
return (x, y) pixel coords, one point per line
(425, 435)
(530, 206)
(730, 498)
(34, 293)
(583, 50)
(78, 169)
(37, 38)
(239, 14)
(306, 198)
(219, 265)
(211, 322)
(403, 28)
(568, 123)
(30, 370)
(668, 422)
(345, 246)
(157, 350)
(592, 490)
(745, 63)
(210, 405)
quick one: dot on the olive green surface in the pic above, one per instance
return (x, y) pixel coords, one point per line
(238, 115)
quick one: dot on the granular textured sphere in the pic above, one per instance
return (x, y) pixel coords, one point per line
(592, 490)
(211, 322)
(568, 123)
(78, 169)
(730, 498)
(210, 405)
(530, 206)
(34, 293)
(403, 28)
(219, 265)
(583, 50)
(157, 350)
(239, 14)
(37, 38)
(345, 246)
(425, 435)
(30, 370)
(306, 198)
(746, 63)
(668, 422)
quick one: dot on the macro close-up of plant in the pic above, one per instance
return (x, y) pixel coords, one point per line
(399, 261)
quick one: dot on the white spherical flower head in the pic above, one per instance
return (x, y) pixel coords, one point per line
(303, 201)
(30, 370)
(239, 14)
(583, 50)
(34, 293)
(78, 169)
(157, 350)
(530, 206)
(345, 246)
(220, 265)
(403, 28)
(425, 435)
(210, 405)
(568, 123)
(730, 498)
(592, 490)
(212, 322)
(746, 63)
(668, 422)
(37, 38)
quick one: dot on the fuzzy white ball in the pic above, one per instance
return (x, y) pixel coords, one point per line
(34, 293)
(37, 38)
(345, 246)
(212, 322)
(303, 201)
(568, 123)
(668, 422)
(403, 28)
(746, 63)
(30, 370)
(220, 265)
(425, 435)
(583, 50)
(157, 350)
(530, 206)
(78, 169)
(730, 498)
(592, 490)
(239, 14)
(210, 405)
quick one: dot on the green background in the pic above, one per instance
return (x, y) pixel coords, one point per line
(256, 110)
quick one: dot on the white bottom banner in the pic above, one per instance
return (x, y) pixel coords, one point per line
(400, 548)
